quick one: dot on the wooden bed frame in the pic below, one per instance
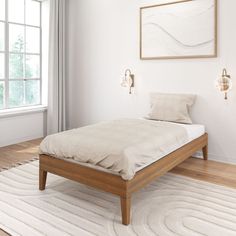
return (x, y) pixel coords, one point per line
(114, 183)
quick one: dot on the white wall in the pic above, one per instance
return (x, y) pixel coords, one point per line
(20, 128)
(103, 40)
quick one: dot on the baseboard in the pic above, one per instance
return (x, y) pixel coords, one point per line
(20, 140)
(198, 154)
(219, 158)
(224, 159)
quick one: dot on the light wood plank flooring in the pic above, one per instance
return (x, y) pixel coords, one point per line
(18, 153)
(210, 171)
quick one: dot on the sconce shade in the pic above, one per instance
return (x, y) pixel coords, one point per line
(128, 80)
(224, 84)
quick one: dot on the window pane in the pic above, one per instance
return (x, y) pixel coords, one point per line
(32, 40)
(32, 13)
(2, 9)
(16, 93)
(32, 67)
(16, 66)
(2, 35)
(16, 11)
(2, 66)
(32, 92)
(1, 95)
(16, 38)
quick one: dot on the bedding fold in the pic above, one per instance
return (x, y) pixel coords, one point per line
(122, 146)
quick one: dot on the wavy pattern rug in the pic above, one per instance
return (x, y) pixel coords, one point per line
(172, 205)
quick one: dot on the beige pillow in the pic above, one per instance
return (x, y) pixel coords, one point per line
(171, 107)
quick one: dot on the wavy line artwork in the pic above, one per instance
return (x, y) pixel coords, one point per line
(178, 41)
(179, 30)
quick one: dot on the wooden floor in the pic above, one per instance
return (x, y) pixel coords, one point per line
(18, 153)
(210, 171)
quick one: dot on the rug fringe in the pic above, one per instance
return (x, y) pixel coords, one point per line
(19, 164)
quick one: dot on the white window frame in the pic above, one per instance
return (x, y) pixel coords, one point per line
(6, 53)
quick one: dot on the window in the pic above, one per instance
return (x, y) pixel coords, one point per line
(20, 53)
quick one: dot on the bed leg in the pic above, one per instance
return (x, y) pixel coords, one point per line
(205, 152)
(125, 209)
(42, 179)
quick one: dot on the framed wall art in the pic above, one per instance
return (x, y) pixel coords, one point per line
(183, 29)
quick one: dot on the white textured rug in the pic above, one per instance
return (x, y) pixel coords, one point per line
(171, 205)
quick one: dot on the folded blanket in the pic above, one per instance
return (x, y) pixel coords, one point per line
(122, 146)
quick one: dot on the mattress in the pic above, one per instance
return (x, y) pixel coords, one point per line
(194, 131)
(120, 147)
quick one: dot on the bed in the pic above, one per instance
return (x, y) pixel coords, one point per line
(128, 154)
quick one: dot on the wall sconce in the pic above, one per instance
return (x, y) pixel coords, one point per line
(128, 80)
(224, 84)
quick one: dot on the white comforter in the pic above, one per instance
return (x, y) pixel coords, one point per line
(122, 146)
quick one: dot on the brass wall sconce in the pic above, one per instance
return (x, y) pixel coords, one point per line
(128, 80)
(224, 84)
